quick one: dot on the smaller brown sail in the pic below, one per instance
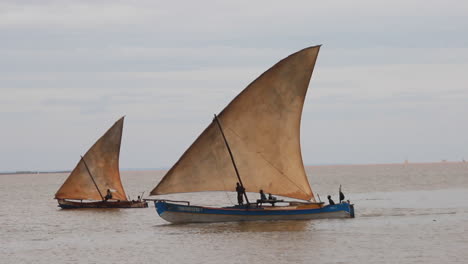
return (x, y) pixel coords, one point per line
(97, 171)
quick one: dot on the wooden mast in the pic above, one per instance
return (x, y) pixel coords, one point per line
(89, 172)
(232, 157)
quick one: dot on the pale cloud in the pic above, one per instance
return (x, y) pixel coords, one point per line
(390, 81)
(206, 13)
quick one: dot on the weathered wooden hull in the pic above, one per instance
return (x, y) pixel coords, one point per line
(176, 213)
(66, 204)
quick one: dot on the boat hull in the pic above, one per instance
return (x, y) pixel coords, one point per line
(66, 204)
(176, 213)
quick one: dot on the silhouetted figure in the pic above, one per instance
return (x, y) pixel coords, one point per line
(271, 197)
(108, 195)
(330, 200)
(342, 197)
(240, 194)
(262, 198)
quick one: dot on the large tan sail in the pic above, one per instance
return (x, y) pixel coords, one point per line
(262, 126)
(102, 160)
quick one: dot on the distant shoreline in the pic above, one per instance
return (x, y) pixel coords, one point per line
(383, 164)
(32, 172)
(316, 165)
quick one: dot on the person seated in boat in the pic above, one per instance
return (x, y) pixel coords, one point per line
(240, 194)
(330, 200)
(108, 195)
(139, 198)
(262, 198)
(271, 197)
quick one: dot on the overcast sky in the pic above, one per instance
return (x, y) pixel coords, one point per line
(390, 82)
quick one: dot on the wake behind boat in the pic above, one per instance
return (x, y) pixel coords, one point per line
(95, 181)
(254, 143)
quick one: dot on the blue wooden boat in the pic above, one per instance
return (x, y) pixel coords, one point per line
(178, 213)
(252, 145)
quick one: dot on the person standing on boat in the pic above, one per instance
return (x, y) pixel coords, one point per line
(240, 194)
(330, 200)
(342, 197)
(108, 195)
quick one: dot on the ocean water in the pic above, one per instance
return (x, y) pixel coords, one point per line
(413, 213)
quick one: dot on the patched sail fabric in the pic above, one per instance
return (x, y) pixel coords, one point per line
(262, 127)
(102, 160)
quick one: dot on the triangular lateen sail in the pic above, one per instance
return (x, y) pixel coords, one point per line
(102, 160)
(262, 126)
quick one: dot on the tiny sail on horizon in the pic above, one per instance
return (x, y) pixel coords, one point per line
(97, 171)
(262, 126)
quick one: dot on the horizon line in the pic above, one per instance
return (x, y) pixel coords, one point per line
(305, 165)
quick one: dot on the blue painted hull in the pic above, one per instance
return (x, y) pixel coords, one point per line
(176, 213)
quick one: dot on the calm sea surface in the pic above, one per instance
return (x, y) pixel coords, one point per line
(415, 213)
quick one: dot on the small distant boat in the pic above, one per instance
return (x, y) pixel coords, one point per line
(254, 141)
(95, 181)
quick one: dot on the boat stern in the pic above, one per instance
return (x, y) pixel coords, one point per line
(344, 207)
